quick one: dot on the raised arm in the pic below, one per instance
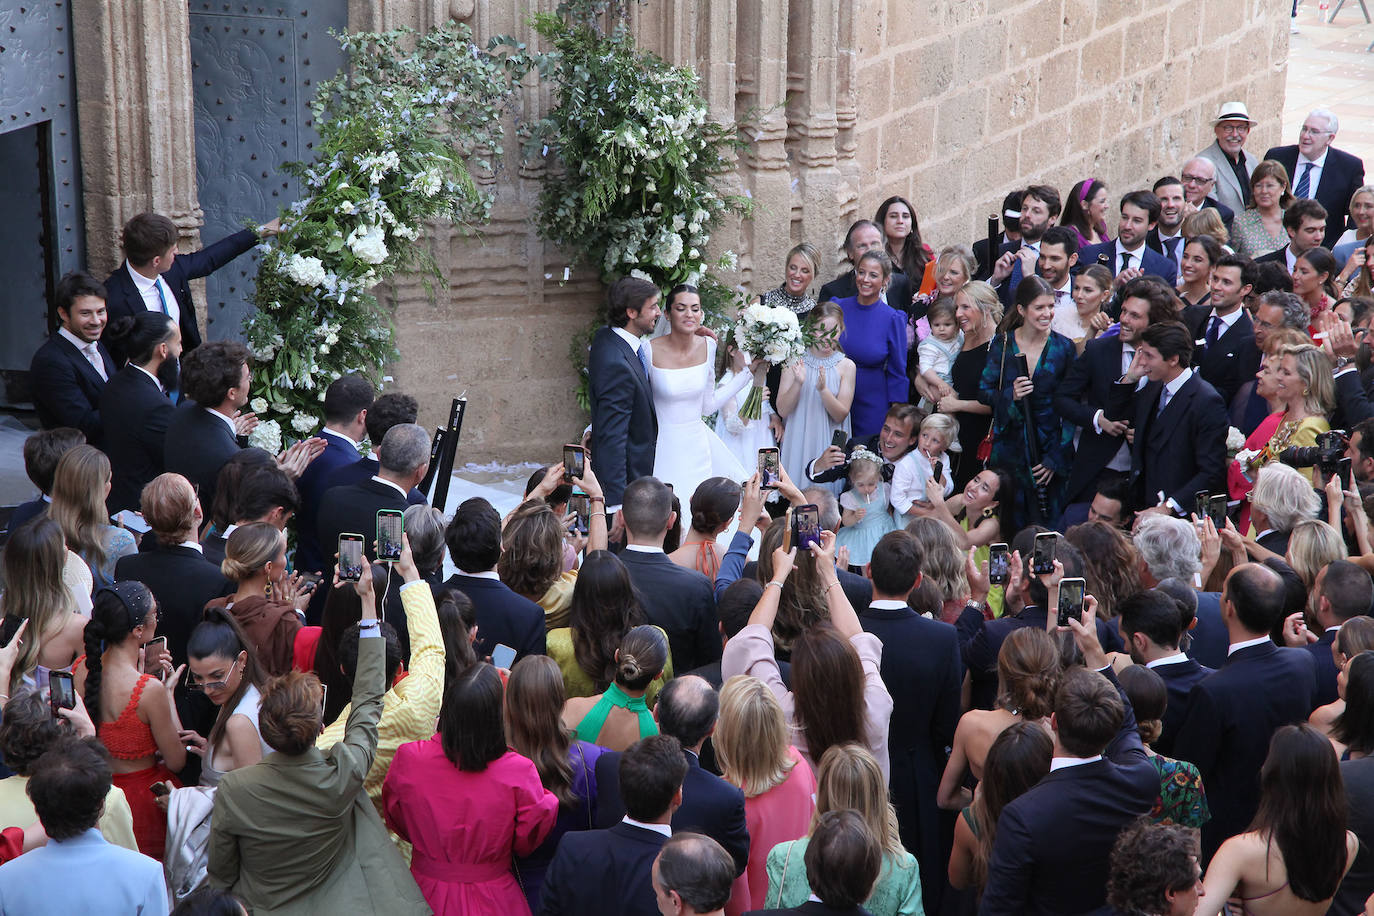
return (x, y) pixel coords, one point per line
(842, 614)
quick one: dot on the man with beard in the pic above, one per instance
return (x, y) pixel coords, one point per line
(70, 369)
(1151, 623)
(202, 435)
(1128, 257)
(134, 407)
(1167, 237)
(1040, 207)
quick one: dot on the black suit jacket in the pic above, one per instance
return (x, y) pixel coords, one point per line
(980, 653)
(123, 298)
(1233, 360)
(1209, 639)
(1358, 883)
(1179, 678)
(196, 446)
(1279, 256)
(624, 424)
(900, 290)
(503, 617)
(1276, 541)
(66, 387)
(1180, 451)
(135, 413)
(365, 469)
(1085, 390)
(26, 512)
(1342, 176)
(710, 805)
(312, 486)
(841, 470)
(1054, 843)
(182, 581)
(1326, 668)
(922, 670)
(679, 600)
(1153, 263)
(1231, 716)
(352, 510)
(595, 872)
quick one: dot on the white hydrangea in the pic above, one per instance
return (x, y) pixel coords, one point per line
(368, 244)
(258, 405)
(306, 271)
(429, 182)
(304, 423)
(266, 435)
(668, 251)
(409, 233)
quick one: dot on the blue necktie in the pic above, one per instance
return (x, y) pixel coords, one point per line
(643, 353)
(162, 300)
(1214, 332)
(1171, 249)
(1304, 182)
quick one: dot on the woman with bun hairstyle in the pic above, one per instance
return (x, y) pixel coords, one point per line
(713, 509)
(133, 711)
(620, 716)
(267, 600)
(225, 668)
(1181, 797)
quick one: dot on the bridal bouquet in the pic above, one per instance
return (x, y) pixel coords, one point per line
(774, 335)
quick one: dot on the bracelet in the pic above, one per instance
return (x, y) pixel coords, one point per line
(370, 624)
(597, 499)
(772, 582)
(595, 514)
(835, 584)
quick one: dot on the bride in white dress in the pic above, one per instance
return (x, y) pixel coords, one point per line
(683, 375)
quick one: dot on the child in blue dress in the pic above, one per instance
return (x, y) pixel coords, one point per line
(865, 511)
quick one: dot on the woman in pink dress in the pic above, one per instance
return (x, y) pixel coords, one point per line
(779, 789)
(467, 804)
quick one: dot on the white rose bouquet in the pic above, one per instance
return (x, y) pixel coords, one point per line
(772, 334)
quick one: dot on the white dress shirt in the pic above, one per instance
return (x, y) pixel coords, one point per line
(1245, 644)
(1314, 176)
(1061, 763)
(229, 421)
(151, 376)
(148, 290)
(1168, 660)
(89, 349)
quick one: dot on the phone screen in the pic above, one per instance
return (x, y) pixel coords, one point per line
(806, 526)
(999, 564)
(1042, 560)
(351, 557)
(769, 468)
(61, 693)
(1200, 504)
(502, 656)
(1343, 473)
(579, 507)
(1216, 509)
(839, 438)
(573, 462)
(1070, 600)
(390, 523)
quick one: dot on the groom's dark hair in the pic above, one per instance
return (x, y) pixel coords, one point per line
(628, 293)
(647, 505)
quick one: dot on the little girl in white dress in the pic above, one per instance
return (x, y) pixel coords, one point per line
(865, 513)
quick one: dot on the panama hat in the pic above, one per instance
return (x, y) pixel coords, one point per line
(1233, 111)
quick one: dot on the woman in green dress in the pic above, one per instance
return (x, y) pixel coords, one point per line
(620, 716)
(1182, 799)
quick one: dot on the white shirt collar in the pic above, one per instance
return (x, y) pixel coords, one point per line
(887, 605)
(1245, 644)
(1136, 252)
(1334, 629)
(338, 435)
(151, 376)
(76, 341)
(486, 574)
(665, 829)
(1176, 235)
(1168, 660)
(140, 281)
(228, 531)
(1264, 533)
(228, 421)
(1060, 763)
(1067, 288)
(1172, 387)
(1319, 162)
(629, 338)
(395, 486)
(194, 545)
(1289, 257)
(1227, 320)
(643, 548)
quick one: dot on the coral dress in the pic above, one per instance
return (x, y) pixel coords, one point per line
(130, 738)
(465, 827)
(781, 814)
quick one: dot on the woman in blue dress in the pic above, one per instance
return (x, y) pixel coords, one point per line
(874, 337)
(1023, 407)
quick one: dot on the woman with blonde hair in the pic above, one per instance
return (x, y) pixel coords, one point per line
(942, 562)
(532, 533)
(816, 393)
(794, 294)
(619, 716)
(1306, 394)
(849, 778)
(1207, 222)
(755, 754)
(268, 600)
(977, 310)
(34, 590)
(1312, 545)
(79, 488)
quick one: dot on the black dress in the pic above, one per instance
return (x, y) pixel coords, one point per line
(964, 378)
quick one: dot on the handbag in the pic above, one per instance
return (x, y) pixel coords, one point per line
(985, 447)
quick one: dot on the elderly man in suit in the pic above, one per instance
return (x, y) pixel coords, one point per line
(1199, 178)
(1319, 171)
(70, 369)
(692, 876)
(1228, 154)
(1129, 255)
(134, 407)
(624, 424)
(155, 278)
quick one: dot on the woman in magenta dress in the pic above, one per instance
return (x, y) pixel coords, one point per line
(467, 804)
(874, 337)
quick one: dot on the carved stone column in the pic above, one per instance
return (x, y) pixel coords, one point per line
(762, 99)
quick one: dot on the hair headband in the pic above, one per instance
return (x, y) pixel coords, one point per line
(136, 598)
(1087, 189)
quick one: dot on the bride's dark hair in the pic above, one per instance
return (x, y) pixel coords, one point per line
(680, 288)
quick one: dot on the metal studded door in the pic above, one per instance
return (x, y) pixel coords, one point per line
(254, 67)
(41, 234)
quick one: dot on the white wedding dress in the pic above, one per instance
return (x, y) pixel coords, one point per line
(687, 451)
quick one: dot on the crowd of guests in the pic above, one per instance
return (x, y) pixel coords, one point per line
(1087, 624)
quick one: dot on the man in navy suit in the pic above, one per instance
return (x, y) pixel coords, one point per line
(922, 670)
(687, 709)
(134, 407)
(1152, 623)
(599, 871)
(1234, 712)
(1199, 181)
(1040, 207)
(1129, 256)
(1166, 237)
(1341, 591)
(202, 435)
(155, 278)
(680, 600)
(503, 617)
(624, 424)
(1305, 222)
(1223, 333)
(346, 403)
(692, 876)
(1180, 423)
(70, 369)
(387, 411)
(1331, 176)
(1054, 842)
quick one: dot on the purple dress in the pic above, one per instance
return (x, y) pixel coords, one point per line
(581, 816)
(875, 338)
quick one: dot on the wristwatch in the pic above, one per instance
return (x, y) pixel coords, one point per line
(1342, 362)
(980, 605)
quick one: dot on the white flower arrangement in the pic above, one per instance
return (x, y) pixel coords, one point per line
(304, 424)
(267, 436)
(368, 243)
(305, 270)
(773, 334)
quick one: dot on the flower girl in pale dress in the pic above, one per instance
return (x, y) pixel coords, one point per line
(864, 508)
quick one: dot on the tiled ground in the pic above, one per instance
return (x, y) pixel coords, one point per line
(1329, 67)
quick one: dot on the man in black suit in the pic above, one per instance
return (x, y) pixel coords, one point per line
(387, 411)
(263, 493)
(692, 876)
(1199, 181)
(599, 871)
(1011, 234)
(1318, 170)
(687, 709)
(346, 403)
(1305, 223)
(202, 435)
(155, 278)
(1233, 713)
(680, 600)
(503, 617)
(42, 451)
(922, 670)
(134, 407)
(1082, 397)
(1341, 591)
(70, 369)
(1358, 883)
(1054, 842)
(901, 426)
(866, 235)
(1180, 423)
(1129, 255)
(1166, 237)
(624, 424)
(1152, 623)
(1223, 334)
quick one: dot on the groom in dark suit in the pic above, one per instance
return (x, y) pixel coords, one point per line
(624, 425)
